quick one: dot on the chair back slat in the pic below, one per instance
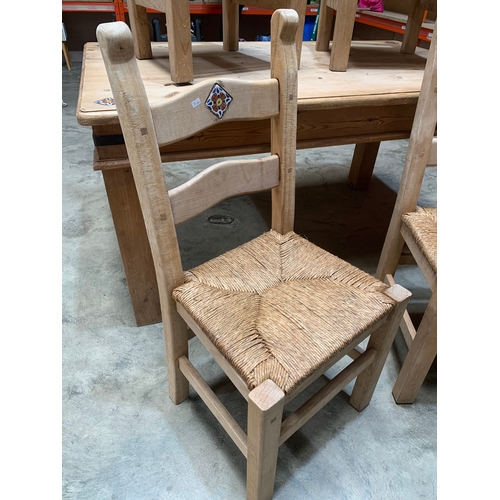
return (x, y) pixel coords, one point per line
(220, 182)
(185, 112)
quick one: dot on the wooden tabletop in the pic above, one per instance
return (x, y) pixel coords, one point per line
(377, 74)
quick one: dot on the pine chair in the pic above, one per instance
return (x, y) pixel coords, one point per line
(178, 19)
(417, 227)
(295, 309)
(344, 27)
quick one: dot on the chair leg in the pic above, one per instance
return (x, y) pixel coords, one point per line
(230, 25)
(139, 26)
(300, 7)
(67, 57)
(381, 340)
(420, 356)
(413, 25)
(342, 34)
(176, 346)
(325, 27)
(265, 410)
(180, 51)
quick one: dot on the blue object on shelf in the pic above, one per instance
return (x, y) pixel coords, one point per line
(308, 30)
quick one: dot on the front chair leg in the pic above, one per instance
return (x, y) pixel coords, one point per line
(381, 340)
(265, 410)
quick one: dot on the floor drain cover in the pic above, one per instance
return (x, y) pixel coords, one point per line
(220, 219)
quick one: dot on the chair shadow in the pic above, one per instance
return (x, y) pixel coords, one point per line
(349, 224)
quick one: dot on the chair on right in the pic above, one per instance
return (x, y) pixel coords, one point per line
(344, 27)
(417, 227)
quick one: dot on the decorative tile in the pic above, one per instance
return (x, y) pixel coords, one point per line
(106, 101)
(218, 101)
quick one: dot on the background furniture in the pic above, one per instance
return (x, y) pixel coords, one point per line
(179, 29)
(417, 227)
(65, 51)
(283, 336)
(346, 12)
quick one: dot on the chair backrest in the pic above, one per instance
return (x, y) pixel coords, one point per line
(146, 128)
(421, 153)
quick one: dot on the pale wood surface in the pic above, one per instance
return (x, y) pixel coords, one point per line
(284, 67)
(377, 74)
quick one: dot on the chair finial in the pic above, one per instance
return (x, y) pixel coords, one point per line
(284, 22)
(109, 33)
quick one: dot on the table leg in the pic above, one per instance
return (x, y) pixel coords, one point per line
(134, 245)
(363, 162)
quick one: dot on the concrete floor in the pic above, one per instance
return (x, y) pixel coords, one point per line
(122, 436)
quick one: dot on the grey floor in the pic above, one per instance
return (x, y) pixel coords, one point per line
(122, 436)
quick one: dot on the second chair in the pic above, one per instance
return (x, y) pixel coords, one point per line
(417, 227)
(344, 26)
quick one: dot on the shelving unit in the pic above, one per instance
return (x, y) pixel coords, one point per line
(119, 7)
(389, 21)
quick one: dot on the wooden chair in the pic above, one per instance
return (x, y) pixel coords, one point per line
(417, 227)
(276, 312)
(179, 29)
(231, 19)
(344, 27)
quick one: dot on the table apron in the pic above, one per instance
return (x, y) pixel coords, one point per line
(315, 128)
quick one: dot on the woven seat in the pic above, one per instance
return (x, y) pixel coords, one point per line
(417, 228)
(423, 225)
(276, 312)
(265, 303)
